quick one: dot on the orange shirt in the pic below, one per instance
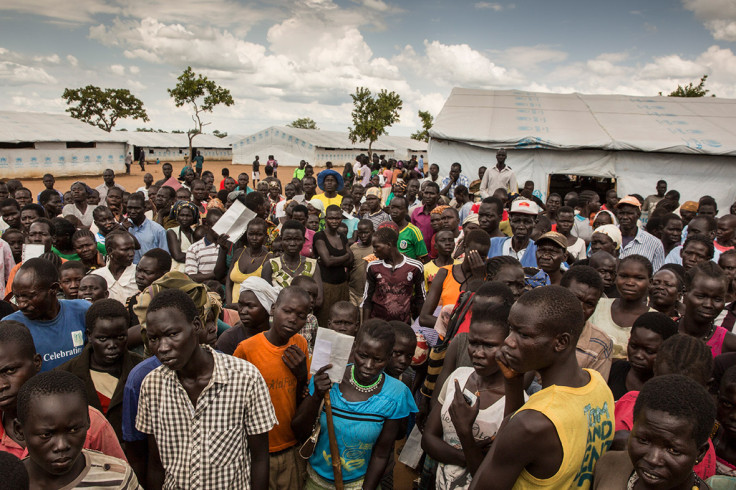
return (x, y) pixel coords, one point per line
(450, 288)
(280, 380)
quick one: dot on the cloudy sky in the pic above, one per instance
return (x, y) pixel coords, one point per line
(287, 59)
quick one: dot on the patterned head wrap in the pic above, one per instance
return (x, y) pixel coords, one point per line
(176, 208)
(438, 209)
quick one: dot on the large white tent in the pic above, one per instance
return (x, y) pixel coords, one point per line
(690, 142)
(291, 145)
(173, 147)
(32, 144)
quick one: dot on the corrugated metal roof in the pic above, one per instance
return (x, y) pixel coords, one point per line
(17, 127)
(175, 140)
(516, 119)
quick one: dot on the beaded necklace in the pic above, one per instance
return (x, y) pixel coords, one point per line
(360, 387)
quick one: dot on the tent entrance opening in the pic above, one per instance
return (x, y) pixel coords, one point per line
(564, 183)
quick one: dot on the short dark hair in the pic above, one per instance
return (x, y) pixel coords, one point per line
(176, 299)
(684, 354)
(14, 332)
(396, 200)
(403, 330)
(707, 201)
(377, 329)
(345, 305)
(41, 268)
(63, 227)
(494, 200)
(701, 239)
(47, 384)
(300, 208)
(253, 200)
(477, 237)
(680, 397)
(709, 269)
(728, 378)
(162, 258)
(494, 289)
(137, 196)
(497, 314)
(434, 185)
(110, 237)
(561, 311)
(292, 224)
(45, 221)
(333, 208)
(46, 196)
(677, 270)
(368, 222)
(386, 235)
(658, 323)
(168, 190)
(710, 222)
(495, 264)
(9, 202)
(640, 259)
(584, 274)
(71, 265)
(298, 280)
(105, 308)
(293, 290)
(14, 472)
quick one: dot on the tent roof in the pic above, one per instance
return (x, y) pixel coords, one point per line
(174, 140)
(335, 139)
(17, 127)
(512, 118)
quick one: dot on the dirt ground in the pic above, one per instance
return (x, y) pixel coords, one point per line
(135, 179)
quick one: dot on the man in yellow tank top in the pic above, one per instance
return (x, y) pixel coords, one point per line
(555, 439)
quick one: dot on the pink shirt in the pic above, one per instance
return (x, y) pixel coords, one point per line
(307, 248)
(100, 437)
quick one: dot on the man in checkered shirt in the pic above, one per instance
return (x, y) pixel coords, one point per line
(206, 414)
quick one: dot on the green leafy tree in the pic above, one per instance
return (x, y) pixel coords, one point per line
(103, 107)
(219, 134)
(177, 131)
(427, 121)
(691, 90)
(373, 114)
(202, 94)
(303, 123)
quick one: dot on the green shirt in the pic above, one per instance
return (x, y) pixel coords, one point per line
(298, 173)
(411, 243)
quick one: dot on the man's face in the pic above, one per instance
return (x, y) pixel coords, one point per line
(136, 208)
(455, 172)
(53, 206)
(48, 181)
(693, 254)
(703, 210)
(16, 367)
(450, 220)
(148, 180)
(199, 191)
(27, 217)
(725, 229)
(309, 186)
(699, 227)
(34, 296)
(607, 270)
(3, 191)
(587, 295)
(528, 345)
(163, 201)
(672, 231)
(412, 189)
(434, 170)
(481, 172)
(594, 205)
(146, 272)
(521, 224)
(290, 315)
(565, 222)
(109, 177)
(397, 211)
(39, 233)
(171, 337)
(114, 199)
(568, 196)
(105, 222)
(430, 196)
(401, 356)
(550, 256)
(123, 250)
(69, 281)
(289, 191)
(501, 157)
(108, 339)
(330, 184)
(92, 289)
(627, 216)
(381, 249)
(16, 241)
(347, 204)
(23, 197)
(357, 192)
(661, 188)
(611, 199)
(365, 233)
(167, 169)
(488, 217)
(55, 431)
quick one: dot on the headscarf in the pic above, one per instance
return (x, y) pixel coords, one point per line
(373, 191)
(176, 208)
(400, 185)
(319, 206)
(439, 209)
(611, 231)
(265, 293)
(613, 216)
(213, 305)
(471, 218)
(691, 206)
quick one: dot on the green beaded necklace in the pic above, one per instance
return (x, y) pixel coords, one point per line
(360, 387)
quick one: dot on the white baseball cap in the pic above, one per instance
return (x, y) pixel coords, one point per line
(524, 206)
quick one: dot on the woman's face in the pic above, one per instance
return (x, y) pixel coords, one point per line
(642, 350)
(86, 248)
(601, 241)
(445, 243)
(602, 219)
(79, 193)
(333, 220)
(632, 280)
(484, 339)
(513, 277)
(664, 291)
(292, 241)
(371, 357)
(256, 236)
(435, 220)
(250, 311)
(185, 218)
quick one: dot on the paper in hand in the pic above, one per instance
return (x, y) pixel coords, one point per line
(334, 348)
(32, 250)
(234, 222)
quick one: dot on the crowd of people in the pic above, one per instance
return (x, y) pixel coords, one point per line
(531, 341)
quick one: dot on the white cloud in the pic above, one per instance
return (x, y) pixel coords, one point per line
(527, 57)
(16, 74)
(496, 7)
(49, 59)
(719, 16)
(72, 60)
(134, 70)
(118, 70)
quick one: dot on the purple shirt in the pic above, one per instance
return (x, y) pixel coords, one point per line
(424, 223)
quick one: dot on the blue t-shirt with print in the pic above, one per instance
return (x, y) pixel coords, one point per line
(358, 425)
(60, 339)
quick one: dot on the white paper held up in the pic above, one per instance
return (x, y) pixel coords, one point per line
(234, 222)
(32, 250)
(334, 348)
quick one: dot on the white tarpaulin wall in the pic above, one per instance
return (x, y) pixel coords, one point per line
(290, 145)
(690, 142)
(56, 143)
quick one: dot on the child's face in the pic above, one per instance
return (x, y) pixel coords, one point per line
(484, 339)
(70, 279)
(15, 240)
(54, 432)
(91, 289)
(313, 222)
(726, 414)
(15, 369)
(108, 339)
(403, 352)
(343, 321)
(171, 337)
(290, 315)
(668, 440)
(311, 288)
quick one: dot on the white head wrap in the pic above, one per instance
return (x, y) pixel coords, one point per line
(319, 205)
(612, 232)
(265, 293)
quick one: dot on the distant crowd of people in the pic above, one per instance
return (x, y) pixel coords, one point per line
(582, 340)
